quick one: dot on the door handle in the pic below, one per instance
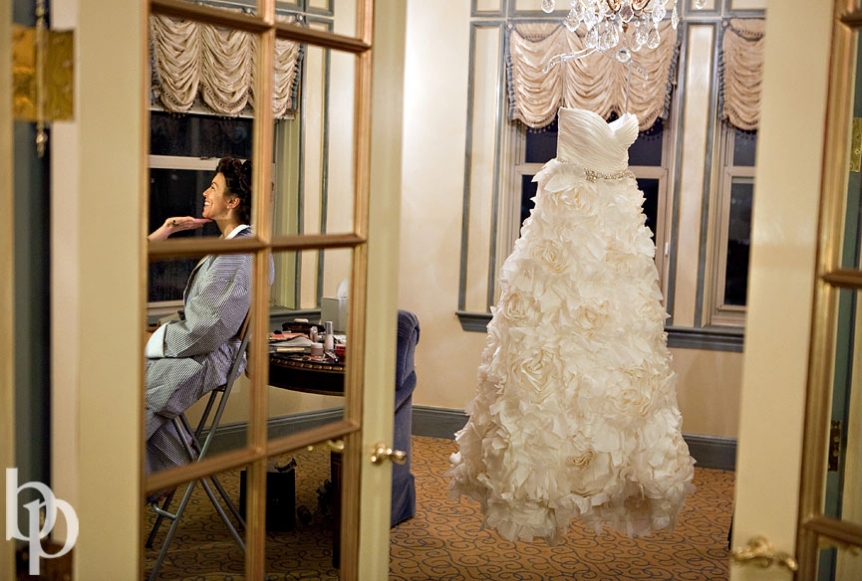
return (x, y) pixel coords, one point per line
(383, 452)
(760, 552)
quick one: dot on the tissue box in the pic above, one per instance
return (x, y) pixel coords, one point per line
(334, 310)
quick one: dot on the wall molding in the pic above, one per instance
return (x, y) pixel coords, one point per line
(709, 451)
(233, 436)
(705, 338)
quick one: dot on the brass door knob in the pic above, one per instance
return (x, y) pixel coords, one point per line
(382, 452)
(760, 552)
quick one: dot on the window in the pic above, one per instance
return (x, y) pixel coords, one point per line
(732, 227)
(647, 155)
(184, 151)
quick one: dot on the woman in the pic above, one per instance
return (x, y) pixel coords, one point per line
(190, 357)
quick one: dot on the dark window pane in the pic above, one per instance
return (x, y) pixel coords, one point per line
(744, 147)
(167, 279)
(738, 241)
(199, 135)
(649, 187)
(175, 192)
(528, 192)
(647, 148)
(541, 144)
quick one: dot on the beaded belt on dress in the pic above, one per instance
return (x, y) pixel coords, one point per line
(597, 175)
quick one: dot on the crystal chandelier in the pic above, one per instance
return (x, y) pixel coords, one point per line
(621, 26)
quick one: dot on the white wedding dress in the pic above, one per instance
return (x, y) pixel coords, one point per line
(575, 415)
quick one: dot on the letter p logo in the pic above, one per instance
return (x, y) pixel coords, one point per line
(36, 534)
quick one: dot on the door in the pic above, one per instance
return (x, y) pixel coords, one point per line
(349, 157)
(802, 338)
(107, 188)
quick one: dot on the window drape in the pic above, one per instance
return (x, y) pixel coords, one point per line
(597, 83)
(191, 59)
(741, 71)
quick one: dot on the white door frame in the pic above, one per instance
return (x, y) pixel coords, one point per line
(780, 297)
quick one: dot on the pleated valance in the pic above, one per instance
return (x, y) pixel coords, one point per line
(742, 71)
(191, 60)
(596, 82)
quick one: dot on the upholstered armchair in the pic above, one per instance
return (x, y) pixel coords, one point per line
(403, 486)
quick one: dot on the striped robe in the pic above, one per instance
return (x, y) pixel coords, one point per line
(198, 350)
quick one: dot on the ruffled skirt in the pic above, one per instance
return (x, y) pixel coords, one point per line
(575, 414)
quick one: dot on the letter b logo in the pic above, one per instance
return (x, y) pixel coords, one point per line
(36, 534)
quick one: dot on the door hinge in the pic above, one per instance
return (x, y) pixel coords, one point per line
(834, 446)
(43, 78)
(57, 83)
(856, 146)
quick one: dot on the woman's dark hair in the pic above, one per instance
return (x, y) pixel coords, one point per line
(237, 177)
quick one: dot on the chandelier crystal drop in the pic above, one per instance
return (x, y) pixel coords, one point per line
(621, 26)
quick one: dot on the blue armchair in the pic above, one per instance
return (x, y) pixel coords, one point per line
(403, 485)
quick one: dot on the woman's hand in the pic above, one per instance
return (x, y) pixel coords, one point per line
(174, 225)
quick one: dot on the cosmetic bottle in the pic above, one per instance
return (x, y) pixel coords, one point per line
(328, 337)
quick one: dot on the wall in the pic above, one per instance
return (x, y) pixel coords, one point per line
(435, 115)
(435, 134)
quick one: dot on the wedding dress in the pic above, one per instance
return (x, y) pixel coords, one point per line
(575, 415)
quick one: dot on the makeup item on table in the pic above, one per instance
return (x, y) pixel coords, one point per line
(292, 350)
(296, 344)
(316, 350)
(328, 337)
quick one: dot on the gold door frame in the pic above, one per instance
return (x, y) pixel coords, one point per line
(258, 449)
(815, 528)
(7, 272)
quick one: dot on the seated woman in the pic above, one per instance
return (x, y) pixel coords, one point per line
(190, 357)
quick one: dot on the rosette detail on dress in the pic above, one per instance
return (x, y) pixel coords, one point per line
(575, 413)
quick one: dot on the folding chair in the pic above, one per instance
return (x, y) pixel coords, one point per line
(197, 451)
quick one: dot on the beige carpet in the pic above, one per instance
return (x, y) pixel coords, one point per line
(445, 542)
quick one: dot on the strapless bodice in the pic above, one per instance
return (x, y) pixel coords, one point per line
(586, 138)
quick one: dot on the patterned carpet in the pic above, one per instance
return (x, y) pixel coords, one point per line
(445, 541)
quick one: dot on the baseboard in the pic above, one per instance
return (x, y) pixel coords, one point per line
(233, 436)
(709, 451)
(712, 451)
(437, 422)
